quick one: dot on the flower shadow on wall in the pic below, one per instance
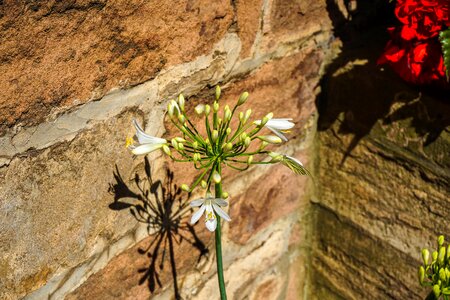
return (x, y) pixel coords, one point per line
(160, 206)
(359, 96)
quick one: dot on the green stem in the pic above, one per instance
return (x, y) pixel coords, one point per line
(223, 293)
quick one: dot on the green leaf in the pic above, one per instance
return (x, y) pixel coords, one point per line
(444, 37)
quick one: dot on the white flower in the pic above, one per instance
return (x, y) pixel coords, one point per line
(211, 207)
(278, 126)
(171, 107)
(147, 143)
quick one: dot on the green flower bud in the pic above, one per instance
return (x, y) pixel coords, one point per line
(174, 144)
(200, 109)
(442, 275)
(448, 253)
(247, 141)
(180, 146)
(250, 159)
(181, 101)
(225, 195)
(242, 98)
(203, 184)
(436, 291)
(272, 139)
(195, 145)
(216, 177)
(226, 113)
(441, 256)
(228, 131)
(172, 108)
(434, 255)
(263, 145)
(166, 150)
(214, 135)
(241, 117)
(243, 136)
(180, 140)
(276, 157)
(196, 157)
(421, 274)
(181, 118)
(441, 240)
(425, 256)
(219, 121)
(218, 90)
(207, 109)
(228, 146)
(185, 187)
(247, 115)
(216, 106)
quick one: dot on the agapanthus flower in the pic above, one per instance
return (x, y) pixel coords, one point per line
(278, 126)
(147, 143)
(210, 206)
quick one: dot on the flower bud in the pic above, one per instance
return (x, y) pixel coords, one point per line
(241, 117)
(247, 141)
(425, 256)
(421, 274)
(441, 240)
(263, 145)
(228, 131)
(216, 177)
(185, 187)
(180, 146)
(243, 136)
(442, 275)
(166, 150)
(228, 146)
(203, 184)
(218, 90)
(172, 108)
(436, 291)
(247, 115)
(441, 256)
(196, 157)
(250, 159)
(225, 195)
(181, 101)
(219, 121)
(242, 98)
(195, 145)
(200, 109)
(174, 144)
(276, 156)
(214, 135)
(207, 109)
(180, 140)
(434, 255)
(216, 106)
(226, 113)
(181, 118)
(272, 139)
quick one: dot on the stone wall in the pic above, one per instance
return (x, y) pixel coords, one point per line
(384, 170)
(75, 73)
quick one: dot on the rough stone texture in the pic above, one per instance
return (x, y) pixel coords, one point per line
(79, 50)
(384, 177)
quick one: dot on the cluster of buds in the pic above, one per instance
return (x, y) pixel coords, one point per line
(219, 145)
(436, 272)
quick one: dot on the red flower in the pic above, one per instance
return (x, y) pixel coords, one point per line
(418, 63)
(422, 19)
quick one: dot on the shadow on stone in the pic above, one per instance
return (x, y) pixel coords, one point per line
(161, 206)
(357, 93)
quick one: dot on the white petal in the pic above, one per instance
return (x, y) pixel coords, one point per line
(221, 213)
(211, 225)
(196, 216)
(144, 138)
(220, 202)
(197, 202)
(280, 124)
(279, 134)
(146, 148)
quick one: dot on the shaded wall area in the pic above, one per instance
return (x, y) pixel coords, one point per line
(383, 167)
